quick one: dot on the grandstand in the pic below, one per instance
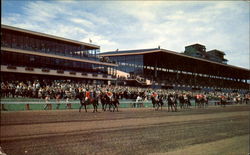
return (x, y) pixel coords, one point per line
(27, 54)
(168, 69)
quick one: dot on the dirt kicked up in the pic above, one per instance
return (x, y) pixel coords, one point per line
(214, 130)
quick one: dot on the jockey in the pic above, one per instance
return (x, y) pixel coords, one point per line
(205, 97)
(109, 94)
(155, 96)
(87, 95)
(199, 96)
(222, 97)
(185, 97)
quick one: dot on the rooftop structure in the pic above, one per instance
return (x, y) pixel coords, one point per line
(199, 51)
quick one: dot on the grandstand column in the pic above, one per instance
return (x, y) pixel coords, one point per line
(155, 69)
(113, 71)
(177, 74)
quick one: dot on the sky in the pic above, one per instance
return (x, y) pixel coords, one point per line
(126, 25)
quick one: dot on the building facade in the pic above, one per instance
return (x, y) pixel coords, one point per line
(35, 55)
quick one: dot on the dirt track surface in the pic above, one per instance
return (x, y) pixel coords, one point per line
(130, 131)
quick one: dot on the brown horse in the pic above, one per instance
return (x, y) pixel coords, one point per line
(93, 101)
(172, 103)
(115, 103)
(157, 103)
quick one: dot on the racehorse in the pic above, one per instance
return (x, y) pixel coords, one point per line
(112, 102)
(88, 101)
(156, 103)
(161, 103)
(199, 101)
(172, 103)
(104, 101)
(183, 102)
(223, 101)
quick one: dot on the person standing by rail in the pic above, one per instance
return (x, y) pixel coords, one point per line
(47, 105)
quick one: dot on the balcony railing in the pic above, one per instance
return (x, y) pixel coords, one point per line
(45, 70)
(60, 71)
(84, 74)
(29, 68)
(11, 67)
(72, 73)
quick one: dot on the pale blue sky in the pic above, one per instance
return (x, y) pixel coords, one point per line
(126, 25)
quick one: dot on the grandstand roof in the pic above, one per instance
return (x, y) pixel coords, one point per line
(49, 36)
(197, 44)
(126, 52)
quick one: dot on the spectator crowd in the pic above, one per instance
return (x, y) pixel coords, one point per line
(70, 89)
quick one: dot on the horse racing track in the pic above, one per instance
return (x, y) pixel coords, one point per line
(214, 130)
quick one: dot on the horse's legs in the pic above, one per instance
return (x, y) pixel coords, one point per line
(94, 106)
(105, 106)
(113, 105)
(80, 108)
(102, 107)
(110, 106)
(85, 106)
